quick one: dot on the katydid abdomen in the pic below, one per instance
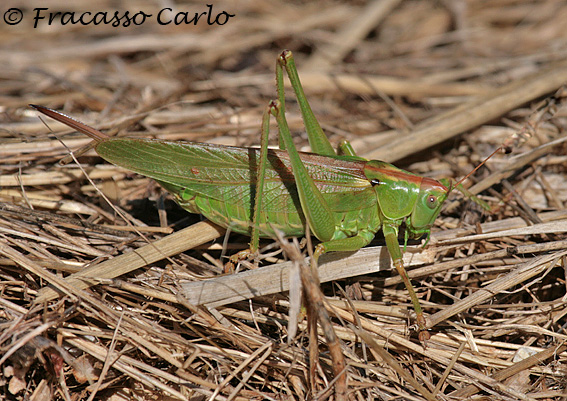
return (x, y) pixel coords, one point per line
(219, 183)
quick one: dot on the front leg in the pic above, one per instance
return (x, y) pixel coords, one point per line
(390, 230)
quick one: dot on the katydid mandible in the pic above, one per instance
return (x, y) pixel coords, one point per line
(345, 199)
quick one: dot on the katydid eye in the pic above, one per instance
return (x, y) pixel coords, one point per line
(431, 201)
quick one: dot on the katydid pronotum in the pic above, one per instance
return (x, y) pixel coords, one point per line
(344, 199)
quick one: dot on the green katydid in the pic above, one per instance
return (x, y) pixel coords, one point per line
(345, 199)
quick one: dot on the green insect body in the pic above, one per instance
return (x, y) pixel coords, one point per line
(344, 199)
(218, 182)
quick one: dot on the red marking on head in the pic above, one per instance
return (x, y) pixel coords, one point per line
(430, 183)
(195, 171)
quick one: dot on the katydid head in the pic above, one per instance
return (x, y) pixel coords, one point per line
(430, 198)
(405, 196)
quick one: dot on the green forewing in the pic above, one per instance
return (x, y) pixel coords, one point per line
(219, 181)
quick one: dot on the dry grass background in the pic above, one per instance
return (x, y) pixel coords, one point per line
(434, 86)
